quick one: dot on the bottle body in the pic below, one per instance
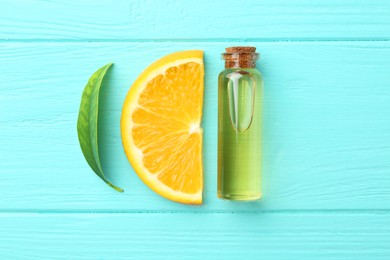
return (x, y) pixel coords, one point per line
(240, 96)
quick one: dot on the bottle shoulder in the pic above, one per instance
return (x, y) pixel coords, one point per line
(251, 71)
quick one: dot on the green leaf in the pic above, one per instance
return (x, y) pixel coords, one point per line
(87, 123)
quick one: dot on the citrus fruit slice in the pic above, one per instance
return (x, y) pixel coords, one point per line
(160, 126)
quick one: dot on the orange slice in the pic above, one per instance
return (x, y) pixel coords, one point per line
(160, 126)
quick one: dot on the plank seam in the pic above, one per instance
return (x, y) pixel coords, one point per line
(385, 39)
(291, 212)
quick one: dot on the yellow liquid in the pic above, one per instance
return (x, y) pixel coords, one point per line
(240, 94)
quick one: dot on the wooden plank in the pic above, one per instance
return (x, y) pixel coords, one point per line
(327, 130)
(195, 236)
(172, 19)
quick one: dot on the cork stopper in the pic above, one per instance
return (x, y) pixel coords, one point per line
(240, 57)
(240, 49)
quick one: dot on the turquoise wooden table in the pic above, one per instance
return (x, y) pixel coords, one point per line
(326, 66)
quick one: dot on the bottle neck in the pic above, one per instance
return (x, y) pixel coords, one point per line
(240, 57)
(240, 63)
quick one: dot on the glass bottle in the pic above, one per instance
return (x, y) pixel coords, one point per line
(240, 95)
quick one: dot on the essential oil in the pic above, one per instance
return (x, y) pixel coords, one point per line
(240, 96)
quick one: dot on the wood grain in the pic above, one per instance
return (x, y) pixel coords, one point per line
(187, 20)
(195, 236)
(327, 130)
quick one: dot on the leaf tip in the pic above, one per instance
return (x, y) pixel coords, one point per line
(114, 187)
